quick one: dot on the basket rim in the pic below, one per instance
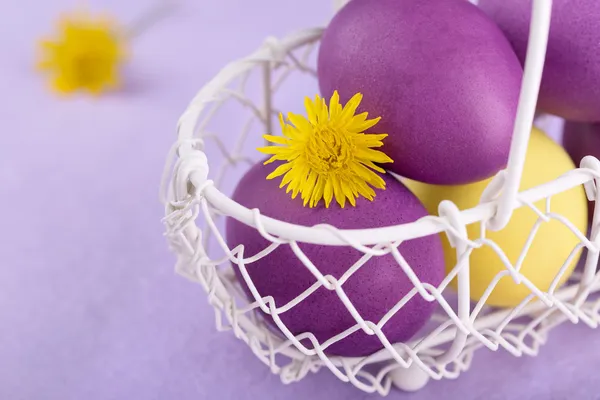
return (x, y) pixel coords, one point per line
(429, 225)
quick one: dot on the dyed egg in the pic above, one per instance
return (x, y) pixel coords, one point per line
(580, 140)
(553, 243)
(441, 75)
(374, 289)
(570, 85)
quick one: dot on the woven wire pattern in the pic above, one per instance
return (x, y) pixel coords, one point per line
(194, 231)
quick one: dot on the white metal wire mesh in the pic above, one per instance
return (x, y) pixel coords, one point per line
(196, 207)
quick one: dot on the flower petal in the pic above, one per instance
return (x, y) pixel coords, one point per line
(368, 175)
(364, 125)
(372, 155)
(311, 110)
(301, 123)
(277, 157)
(287, 178)
(309, 187)
(276, 139)
(337, 190)
(365, 191)
(282, 123)
(328, 192)
(282, 169)
(322, 111)
(317, 193)
(350, 107)
(347, 190)
(49, 45)
(62, 85)
(347, 193)
(45, 65)
(272, 149)
(335, 108)
(370, 164)
(369, 140)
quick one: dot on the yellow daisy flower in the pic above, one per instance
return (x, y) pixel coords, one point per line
(328, 154)
(85, 56)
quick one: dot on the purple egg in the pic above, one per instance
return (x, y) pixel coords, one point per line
(571, 81)
(580, 140)
(374, 289)
(441, 75)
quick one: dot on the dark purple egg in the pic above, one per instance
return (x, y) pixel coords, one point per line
(374, 289)
(571, 81)
(441, 75)
(580, 140)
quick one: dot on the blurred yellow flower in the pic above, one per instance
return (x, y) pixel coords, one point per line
(86, 55)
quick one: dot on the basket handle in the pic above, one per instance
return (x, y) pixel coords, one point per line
(530, 88)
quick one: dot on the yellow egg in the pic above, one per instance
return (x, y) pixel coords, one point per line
(552, 244)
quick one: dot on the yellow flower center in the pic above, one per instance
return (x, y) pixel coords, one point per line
(328, 150)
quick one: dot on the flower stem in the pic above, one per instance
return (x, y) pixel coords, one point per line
(147, 19)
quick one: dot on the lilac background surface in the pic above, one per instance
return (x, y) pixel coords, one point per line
(89, 305)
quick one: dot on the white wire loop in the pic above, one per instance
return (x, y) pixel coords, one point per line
(591, 186)
(195, 208)
(278, 53)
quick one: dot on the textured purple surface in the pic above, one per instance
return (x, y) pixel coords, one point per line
(441, 75)
(374, 289)
(572, 71)
(89, 305)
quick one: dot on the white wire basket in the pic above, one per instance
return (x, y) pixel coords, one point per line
(196, 207)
